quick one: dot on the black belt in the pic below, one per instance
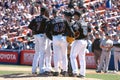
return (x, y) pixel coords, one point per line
(59, 34)
(80, 39)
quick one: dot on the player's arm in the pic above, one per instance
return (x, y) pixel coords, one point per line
(69, 31)
(32, 24)
(48, 30)
(116, 45)
(102, 46)
(93, 46)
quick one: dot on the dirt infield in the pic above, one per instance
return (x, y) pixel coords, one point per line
(28, 69)
(27, 76)
(48, 78)
(21, 76)
(9, 68)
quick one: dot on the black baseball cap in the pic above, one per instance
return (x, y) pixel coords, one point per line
(54, 11)
(68, 13)
(76, 12)
(43, 9)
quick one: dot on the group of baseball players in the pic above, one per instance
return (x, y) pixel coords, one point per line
(102, 49)
(67, 33)
(61, 30)
(103, 45)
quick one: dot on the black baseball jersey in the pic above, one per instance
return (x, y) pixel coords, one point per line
(38, 25)
(58, 26)
(82, 27)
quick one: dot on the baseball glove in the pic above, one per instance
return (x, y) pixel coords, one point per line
(70, 39)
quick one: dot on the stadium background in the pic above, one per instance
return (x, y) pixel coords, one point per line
(15, 16)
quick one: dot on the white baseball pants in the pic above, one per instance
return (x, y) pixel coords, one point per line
(116, 59)
(60, 53)
(39, 53)
(78, 49)
(48, 55)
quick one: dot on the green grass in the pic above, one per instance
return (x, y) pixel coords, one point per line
(5, 72)
(104, 76)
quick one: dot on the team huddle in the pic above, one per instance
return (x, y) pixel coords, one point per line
(55, 30)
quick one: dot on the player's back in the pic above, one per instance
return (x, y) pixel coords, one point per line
(59, 25)
(38, 24)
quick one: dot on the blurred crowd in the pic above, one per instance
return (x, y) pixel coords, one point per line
(15, 15)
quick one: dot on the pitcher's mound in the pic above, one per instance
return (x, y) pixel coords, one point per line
(21, 76)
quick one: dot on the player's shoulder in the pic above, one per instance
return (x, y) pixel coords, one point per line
(111, 40)
(103, 40)
(41, 16)
(37, 16)
(49, 21)
(56, 19)
(45, 17)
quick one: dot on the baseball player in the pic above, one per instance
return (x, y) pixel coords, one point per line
(116, 47)
(59, 29)
(48, 54)
(70, 39)
(106, 45)
(38, 26)
(96, 48)
(79, 45)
